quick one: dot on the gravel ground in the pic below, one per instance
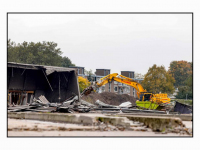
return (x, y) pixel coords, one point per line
(89, 133)
(18, 127)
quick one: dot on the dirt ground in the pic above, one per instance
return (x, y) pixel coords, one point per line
(109, 98)
(17, 127)
(90, 133)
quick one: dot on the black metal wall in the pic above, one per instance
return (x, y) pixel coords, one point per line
(25, 79)
(68, 86)
(35, 80)
(182, 108)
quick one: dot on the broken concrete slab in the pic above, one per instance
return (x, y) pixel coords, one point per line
(33, 125)
(139, 128)
(43, 99)
(155, 123)
(70, 102)
(20, 108)
(103, 105)
(87, 104)
(125, 104)
(183, 117)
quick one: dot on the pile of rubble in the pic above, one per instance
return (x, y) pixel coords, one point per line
(108, 98)
(70, 105)
(76, 105)
(24, 125)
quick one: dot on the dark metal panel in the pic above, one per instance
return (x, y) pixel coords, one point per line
(68, 86)
(31, 79)
(35, 81)
(182, 108)
(16, 79)
(22, 66)
(73, 84)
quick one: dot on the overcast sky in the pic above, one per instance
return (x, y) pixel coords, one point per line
(120, 42)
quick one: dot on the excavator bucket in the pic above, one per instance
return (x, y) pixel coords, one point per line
(87, 91)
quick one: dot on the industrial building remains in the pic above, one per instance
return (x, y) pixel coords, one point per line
(26, 82)
(41, 92)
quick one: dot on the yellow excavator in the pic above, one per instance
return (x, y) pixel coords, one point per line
(146, 100)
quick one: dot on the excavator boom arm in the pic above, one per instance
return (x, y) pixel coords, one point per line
(121, 79)
(105, 80)
(132, 83)
(141, 92)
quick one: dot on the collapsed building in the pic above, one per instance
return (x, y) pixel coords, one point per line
(55, 89)
(26, 82)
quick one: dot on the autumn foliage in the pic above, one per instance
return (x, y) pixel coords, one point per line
(157, 80)
(83, 83)
(181, 71)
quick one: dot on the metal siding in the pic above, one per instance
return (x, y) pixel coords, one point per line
(67, 88)
(17, 80)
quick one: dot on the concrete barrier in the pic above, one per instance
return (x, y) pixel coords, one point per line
(54, 117)
(183, 117)
(157, 123)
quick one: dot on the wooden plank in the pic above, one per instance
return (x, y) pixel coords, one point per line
(18, 91)
(29, 92)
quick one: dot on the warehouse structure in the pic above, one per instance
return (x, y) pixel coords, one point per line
(26, 82)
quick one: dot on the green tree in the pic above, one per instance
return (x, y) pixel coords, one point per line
(13, 52)
(66, 62)
(186, 89)
(90, 75)
(157, 79)
(181, 71)
(42, 53)
(183, 90)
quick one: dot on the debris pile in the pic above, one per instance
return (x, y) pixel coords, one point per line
(71, 105)
(103, 105)
(74, 105)
(183, 108)
(180, 130)
(109, 98)
(107, 103)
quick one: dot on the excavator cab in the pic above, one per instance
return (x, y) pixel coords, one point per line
(145, 97)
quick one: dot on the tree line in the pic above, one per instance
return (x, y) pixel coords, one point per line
(157, 79)
(179, 75)
(42, 53)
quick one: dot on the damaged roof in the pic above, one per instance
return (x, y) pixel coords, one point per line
(49, 69)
